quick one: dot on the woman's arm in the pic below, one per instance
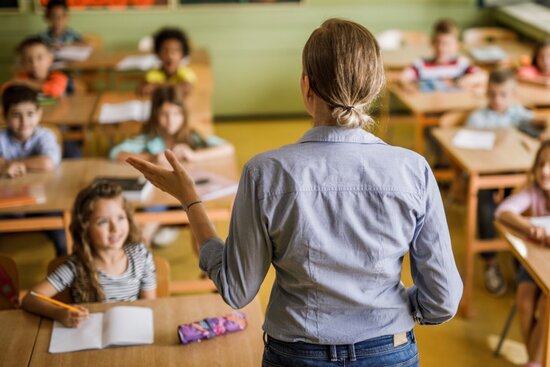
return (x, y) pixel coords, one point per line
(535, 79)
(35, 305)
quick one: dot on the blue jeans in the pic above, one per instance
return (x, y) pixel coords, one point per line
(376, 352)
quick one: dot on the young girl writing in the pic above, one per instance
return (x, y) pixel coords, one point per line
(108, 264)
(534, 199)
(539, 70)
(168, 128)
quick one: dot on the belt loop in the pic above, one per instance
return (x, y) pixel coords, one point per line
(413, 338)
(333, 354)
(351, 352)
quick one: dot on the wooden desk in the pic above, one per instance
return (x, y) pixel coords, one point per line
(535, 260)
(62, 185)
(243, 348)
(17, 337)
(504, 166)
(533, 96)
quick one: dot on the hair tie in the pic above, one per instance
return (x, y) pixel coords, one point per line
(347, 108)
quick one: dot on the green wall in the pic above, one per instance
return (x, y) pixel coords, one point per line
(255, 49)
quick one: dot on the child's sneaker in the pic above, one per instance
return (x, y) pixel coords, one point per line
(165, 236)
(494, 282)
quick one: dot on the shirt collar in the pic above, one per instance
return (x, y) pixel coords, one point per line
(339, 135)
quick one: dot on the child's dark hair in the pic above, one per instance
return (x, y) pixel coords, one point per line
(15, 94)
(168, 93)
(543, 146)
(55, 3)
(172, 33)
(29, 42)
(86, 287)
(501, 76)
(538, 48)
(444, 26)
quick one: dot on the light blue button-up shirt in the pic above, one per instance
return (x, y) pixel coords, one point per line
(41, 142)
(335, 214)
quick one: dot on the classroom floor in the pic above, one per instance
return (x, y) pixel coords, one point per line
(460, 342)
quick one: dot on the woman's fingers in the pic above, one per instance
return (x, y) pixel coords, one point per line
(173, 160)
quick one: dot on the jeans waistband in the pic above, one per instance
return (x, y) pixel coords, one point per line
(346, 351)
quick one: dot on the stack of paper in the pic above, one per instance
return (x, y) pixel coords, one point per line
(474, 139)
(133, 110)
(488, 54)
(139, 62)
(74, 53)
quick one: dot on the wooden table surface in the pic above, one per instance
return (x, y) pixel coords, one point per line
(18, 333)
(243, 348)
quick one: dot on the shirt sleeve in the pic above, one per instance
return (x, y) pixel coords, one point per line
(155, 76)
(48, 146)
(63, 277)
(186, 74)
(135, 145)
(149, 278)
(517, 203)
(437, 288)
(238, 268)
(476, 120)
(56, 84)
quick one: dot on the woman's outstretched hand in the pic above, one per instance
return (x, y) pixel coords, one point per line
(176, 181)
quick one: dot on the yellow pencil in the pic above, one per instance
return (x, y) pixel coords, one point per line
(54, 302)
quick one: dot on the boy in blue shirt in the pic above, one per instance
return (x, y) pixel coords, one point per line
(25, 146)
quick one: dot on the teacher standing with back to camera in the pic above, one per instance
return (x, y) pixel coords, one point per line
(335, 214)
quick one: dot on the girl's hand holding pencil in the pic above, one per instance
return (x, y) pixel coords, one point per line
(68, 315)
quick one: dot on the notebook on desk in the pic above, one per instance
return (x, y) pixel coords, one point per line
(133, 188)
(134, 110)
(488, 54)
(211, 186)
(474, 139)
(119, 326)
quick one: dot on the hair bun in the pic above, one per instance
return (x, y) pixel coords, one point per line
(351, 117)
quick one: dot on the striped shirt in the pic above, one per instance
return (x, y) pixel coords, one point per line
(139, 275)
(427, 69)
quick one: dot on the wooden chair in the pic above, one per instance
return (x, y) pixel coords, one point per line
(94, 40)
(163, 277)
(482, 35)
(10, 268)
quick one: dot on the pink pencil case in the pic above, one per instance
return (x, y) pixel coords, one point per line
(211, 327)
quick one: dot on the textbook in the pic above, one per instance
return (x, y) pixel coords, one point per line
(474, 139)
(133, 188)
(13, 196)
(139, 62)
(73, 53)
(488, 54)
(134, 110)
(211, 186)
(119, 326)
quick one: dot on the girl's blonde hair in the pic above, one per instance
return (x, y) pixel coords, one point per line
(168, 94)
(532, 178)
(86, 287)
(342, 61)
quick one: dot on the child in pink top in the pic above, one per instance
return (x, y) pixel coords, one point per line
(533, 200)
(539, 70)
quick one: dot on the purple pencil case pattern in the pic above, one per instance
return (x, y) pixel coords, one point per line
(211, 327)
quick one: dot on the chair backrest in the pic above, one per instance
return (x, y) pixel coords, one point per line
(10, 268)
(482, 35)
(453, 118)
(94, 40)
(64, 296)
(163, 277)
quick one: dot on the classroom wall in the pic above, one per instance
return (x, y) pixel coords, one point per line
(256, 48)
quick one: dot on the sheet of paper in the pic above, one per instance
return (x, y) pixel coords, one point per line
(518, 244)
(127, 325)
(133, 110)
(541, 222)
(139, 62)
(74, 53)
(86, 336)
(488, 54)
(474, 139)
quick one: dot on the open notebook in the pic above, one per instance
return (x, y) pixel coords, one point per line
(120, 326)
(134, 110)
(474, 139)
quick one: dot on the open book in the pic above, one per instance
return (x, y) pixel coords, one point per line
(211, 186)
(134, 110)
(139, 62)
(474, 139)
(133, 188)
(73, 53)
(121, 325)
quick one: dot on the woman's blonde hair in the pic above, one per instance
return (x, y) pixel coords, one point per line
(342, 61)
(168, 94)
(86, 287)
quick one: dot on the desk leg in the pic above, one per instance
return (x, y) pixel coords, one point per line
(470, 232)
(546, 325)
(66, 223)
